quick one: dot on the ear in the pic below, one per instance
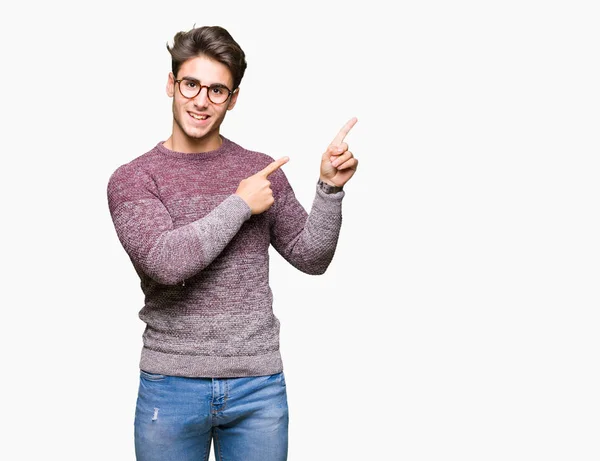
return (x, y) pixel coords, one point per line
(171, 85)
(233, 99)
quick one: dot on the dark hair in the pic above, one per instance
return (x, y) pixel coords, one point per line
(213, 42)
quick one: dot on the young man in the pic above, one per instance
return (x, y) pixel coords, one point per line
(196, 215)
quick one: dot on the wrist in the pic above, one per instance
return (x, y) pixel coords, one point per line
(327, 187)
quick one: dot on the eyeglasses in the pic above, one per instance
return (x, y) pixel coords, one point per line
(217, 93)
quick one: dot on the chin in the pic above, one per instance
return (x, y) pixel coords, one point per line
(194, 132)
(198, 134)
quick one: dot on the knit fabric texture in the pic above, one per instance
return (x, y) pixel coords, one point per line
(203, 259)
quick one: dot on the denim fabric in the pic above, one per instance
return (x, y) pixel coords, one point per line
(176, 418)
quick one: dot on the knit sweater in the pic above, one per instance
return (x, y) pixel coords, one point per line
(203, 259)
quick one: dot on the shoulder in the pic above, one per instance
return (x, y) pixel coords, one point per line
(139, 165)
(260, 160)
(135, 174)
(248, 162)
(252, 157)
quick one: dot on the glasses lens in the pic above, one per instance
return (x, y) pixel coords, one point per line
(189, 88)
(218, 94)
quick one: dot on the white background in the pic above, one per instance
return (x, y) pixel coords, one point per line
(459, 318)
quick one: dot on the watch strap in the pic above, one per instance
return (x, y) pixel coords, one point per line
(328, 188)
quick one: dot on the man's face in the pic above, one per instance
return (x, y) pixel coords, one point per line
(197, 120)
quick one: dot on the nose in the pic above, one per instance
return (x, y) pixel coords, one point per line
(201, 98)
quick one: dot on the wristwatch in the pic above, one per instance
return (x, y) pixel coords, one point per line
(328, 188)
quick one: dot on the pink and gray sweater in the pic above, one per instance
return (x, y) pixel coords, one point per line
(203, 260)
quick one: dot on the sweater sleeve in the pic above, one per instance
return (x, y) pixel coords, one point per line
(307, 241)
(166, 254)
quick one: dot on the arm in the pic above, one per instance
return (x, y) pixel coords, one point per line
(308, 242)
(145, 229)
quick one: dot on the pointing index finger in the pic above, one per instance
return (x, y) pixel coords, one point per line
(273, 166)
(344, 131)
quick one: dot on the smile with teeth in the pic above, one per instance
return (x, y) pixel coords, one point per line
(198, 117)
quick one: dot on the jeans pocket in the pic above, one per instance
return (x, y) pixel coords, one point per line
(151, 376)
(282, 379)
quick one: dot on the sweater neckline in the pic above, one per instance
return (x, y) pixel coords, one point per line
(225, 147)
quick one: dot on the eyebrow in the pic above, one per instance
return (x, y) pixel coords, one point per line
(186, 77)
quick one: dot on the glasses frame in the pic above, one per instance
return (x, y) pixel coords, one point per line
(178, 81)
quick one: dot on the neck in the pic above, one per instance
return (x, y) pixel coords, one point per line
(180, 142)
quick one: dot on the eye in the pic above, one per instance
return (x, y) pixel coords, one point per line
(190, 84)
(218, 90)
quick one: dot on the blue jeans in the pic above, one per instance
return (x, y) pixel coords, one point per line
(176, 418)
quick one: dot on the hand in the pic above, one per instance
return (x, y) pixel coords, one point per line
(256, 190)
(338, 164)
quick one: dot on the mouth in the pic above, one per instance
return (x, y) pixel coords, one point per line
(199, 117)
